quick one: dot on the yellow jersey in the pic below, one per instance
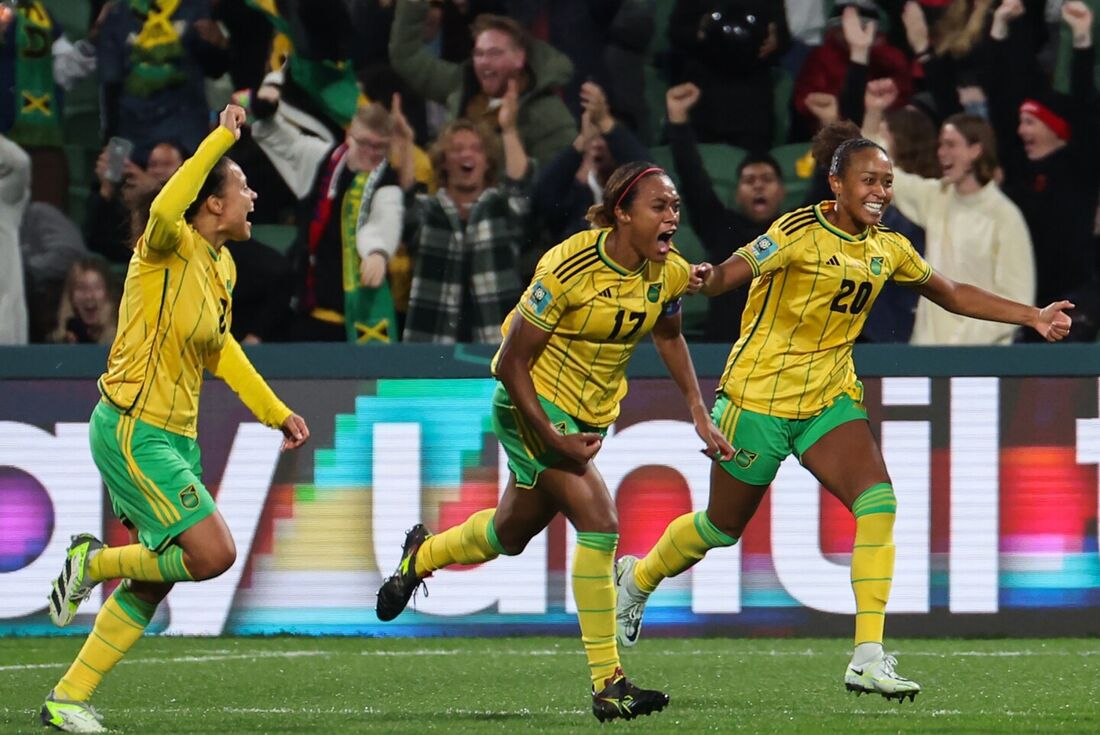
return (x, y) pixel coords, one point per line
(596, 312)
(175, 315)
(813, 288)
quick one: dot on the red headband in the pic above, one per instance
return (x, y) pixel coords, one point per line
(1058, 124)
(650, 170)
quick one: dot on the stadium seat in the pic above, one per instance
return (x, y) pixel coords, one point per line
(798, 168)
(278, 237)
(783, 85)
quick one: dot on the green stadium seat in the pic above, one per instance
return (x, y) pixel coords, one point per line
(279, 237)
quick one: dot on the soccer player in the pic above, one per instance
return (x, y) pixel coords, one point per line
(789, 386)
(173, 323)
(562, 373)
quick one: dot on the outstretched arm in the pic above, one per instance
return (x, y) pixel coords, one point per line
(1051, 322)
(672, 347)
(734, 271)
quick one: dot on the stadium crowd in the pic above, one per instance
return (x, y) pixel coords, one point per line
(415, 158)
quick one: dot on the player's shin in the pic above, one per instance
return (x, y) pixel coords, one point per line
(873, 560)
(471, 542)
(119, 624)
(686, 540)
(594, 592)
(136, 562)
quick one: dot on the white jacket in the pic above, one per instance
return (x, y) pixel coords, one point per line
(15, 192)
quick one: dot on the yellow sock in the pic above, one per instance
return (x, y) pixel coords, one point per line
(594, 591)
(134, 561)
(471, 542)
(873, 560)
(686, 540)
(119, 625)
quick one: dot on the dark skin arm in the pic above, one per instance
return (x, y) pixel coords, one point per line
(524, 343)
(673, 349)
(1051, 322)
(731, 273)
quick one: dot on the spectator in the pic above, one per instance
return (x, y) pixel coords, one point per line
(32, 83)
(720, 228)
(973, 231)
(152, 61)
(465, 240)
(51, 243)
(852, 39)
(911, 136)
(728, 49)
(88, 312)
(262, 294)
(355, 212)
(15, 174)
(1050, 163)
(107, 226)
(574, 179)
(503, 53)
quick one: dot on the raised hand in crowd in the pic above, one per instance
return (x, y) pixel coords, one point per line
(880, 94)
(1006, 12)
(401, 145)
(824, 106)
(679, 100)
(509, 107)
(916, 28)
(1078, 16)
(594, 102)
(858, 34)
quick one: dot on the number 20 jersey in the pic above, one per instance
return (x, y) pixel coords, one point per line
(596, 312)
(813, 287)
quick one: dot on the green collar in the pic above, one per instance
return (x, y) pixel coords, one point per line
(837, 231)
(611, 263)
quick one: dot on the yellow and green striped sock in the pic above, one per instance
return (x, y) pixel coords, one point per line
(471, 542)
(594, 592)
(873, 560)
(686, 540)
(118, 626)
(134, 561)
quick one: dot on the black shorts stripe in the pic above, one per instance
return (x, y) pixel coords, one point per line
(565, 264)
(578, 267)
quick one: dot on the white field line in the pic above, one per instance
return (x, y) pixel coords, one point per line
(182, 659)
(220, 656)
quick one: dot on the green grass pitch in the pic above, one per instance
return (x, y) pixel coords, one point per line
(790, 686)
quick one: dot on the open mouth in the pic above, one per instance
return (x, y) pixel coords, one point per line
(467, 168)
(664, 241)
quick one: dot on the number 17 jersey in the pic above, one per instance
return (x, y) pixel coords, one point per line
(596, 312)
(813, 288)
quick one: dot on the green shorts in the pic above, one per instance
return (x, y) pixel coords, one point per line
(761, 442)
(527, 457)
(152, 475)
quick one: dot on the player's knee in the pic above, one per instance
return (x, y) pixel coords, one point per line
(151, 592)
(214, 561)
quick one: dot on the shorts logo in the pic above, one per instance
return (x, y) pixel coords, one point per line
(654, 293)
(189, 498)
(538, 298)
(876, 266)
(743, 458)
(562, 428)
(763, 248)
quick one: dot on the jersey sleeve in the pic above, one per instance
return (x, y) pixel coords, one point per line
(910, 268)
(770, 252)
(546, 298)
(677, 274)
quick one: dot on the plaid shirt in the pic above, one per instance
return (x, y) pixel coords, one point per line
(480, 256)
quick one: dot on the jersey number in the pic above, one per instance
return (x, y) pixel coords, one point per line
(863, 292)
(638, 317)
